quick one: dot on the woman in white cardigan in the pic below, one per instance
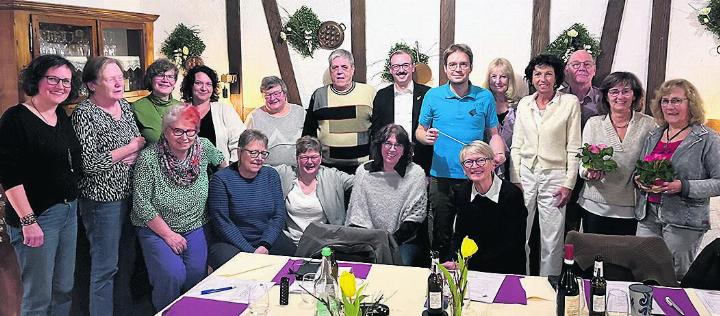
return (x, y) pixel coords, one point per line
(223, 126)
(609, 199)
(543, 163)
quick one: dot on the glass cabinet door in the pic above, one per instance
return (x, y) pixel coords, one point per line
(64, 37)
(124, 42)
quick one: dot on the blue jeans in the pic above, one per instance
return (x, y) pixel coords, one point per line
(172, 274)
(103, 224)
(409, 252)
(48, 271)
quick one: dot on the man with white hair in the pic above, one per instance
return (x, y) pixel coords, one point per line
(339, 115)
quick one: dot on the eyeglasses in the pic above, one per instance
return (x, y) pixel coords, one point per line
(53, 81)
(453, 66)
(188, 132)
(577, 65)
(271, 95)
(617, 92)
(166, 77)
(397, 67)
(389, 145)
(673, 101)
(256, 153)
(203, 84)
(480, 162)
(305, 159)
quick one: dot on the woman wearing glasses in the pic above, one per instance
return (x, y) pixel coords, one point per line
(111, 142)
(40, 165)
(390, 191)
(491, 211)
(160, 78)
(246, 205)
(543, 163)
(219, 122)
(170, 189)
(280, 120)
(313, 193)
(609, 198)
(678, 211)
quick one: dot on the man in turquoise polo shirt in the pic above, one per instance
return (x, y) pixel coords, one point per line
(451, 116)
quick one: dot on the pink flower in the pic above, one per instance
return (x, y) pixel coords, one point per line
(602, 146)
(594, 149)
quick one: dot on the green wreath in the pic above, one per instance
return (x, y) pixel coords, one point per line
(417, 58)
(709, 17)
(300, 31)
(182, 43)
(574, 38)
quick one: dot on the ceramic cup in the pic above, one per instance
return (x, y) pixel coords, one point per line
(641, 297)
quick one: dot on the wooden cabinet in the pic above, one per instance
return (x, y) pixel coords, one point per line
(30, 29)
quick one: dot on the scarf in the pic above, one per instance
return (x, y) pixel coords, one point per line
(184, 172)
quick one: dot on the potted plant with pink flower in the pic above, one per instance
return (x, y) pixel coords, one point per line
(653, 170)
(597, 158)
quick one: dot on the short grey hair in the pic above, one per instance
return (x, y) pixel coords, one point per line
(477, 147)
(181, 112)
(307, 143)
(249, 136)
(341, 53)
(271, 81)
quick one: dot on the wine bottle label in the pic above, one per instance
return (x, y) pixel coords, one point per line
(435, 300)
(572, 305)
(598, 303)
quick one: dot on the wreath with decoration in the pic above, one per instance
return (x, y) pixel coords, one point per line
(417, 58)
(709, 17)
(574, 38)
(301, 31)
(181, 43)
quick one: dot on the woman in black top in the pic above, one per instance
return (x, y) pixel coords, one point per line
(39, 169)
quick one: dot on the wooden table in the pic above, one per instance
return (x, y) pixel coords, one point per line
(404, 288)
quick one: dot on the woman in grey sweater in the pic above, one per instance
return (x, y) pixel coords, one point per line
(609, 199)
(680, 212)
(389, 192)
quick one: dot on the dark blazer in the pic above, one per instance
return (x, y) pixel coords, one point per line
(384, 114)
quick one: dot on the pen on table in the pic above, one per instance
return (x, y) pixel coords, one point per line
(210, 291)
(672, 304)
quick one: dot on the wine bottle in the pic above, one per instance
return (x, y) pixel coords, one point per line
(435, 287)
(598, 288)
(568, 292)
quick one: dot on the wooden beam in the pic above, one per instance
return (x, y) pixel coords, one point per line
(540, 27)
(234, 43)
(447, 34)
(608, 41)
(357, 29)
(282, 54)
(657, 58)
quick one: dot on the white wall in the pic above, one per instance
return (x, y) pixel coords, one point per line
(491, 29)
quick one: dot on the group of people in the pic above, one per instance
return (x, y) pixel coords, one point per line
(194, 185)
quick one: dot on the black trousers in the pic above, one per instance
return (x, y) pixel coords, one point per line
(596, 224)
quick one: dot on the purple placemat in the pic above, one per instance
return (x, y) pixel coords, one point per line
(360, 270)
(511, 291)
(586, 285)
(192, 306)
(678, 296)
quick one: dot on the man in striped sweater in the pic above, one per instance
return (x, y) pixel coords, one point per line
(339, 115)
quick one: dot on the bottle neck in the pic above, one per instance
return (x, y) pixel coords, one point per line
(569, 262)
(598, 269)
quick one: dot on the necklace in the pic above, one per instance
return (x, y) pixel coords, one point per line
(619, 126)
(668, 139)
(32, 103)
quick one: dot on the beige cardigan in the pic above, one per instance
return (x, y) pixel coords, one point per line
(553, 144)
(228, 128)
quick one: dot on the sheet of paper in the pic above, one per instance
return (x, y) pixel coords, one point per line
(296, 289)
(711, 300)
(538, 288)
(482, 287)
(621, 289)
(239, 294)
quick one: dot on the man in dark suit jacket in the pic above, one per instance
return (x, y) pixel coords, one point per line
(400, 102)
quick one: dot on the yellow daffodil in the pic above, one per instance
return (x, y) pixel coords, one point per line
(705, 11)
(347, 284)
(185, 50)
(572, 33)
(468, 247)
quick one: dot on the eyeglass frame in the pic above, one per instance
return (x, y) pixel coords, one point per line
(469, 163)
(275, 94)
(404, 66)
(190, 133)
(166, 77)
(67, 83)
(257, 153)
(305, 159)
(455, 66)
(586, 65)
(674, 101)
(388, 145)
(616, 92)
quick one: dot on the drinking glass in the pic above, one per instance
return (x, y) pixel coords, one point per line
(259, 299)
(617, 302)
(308, 287)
